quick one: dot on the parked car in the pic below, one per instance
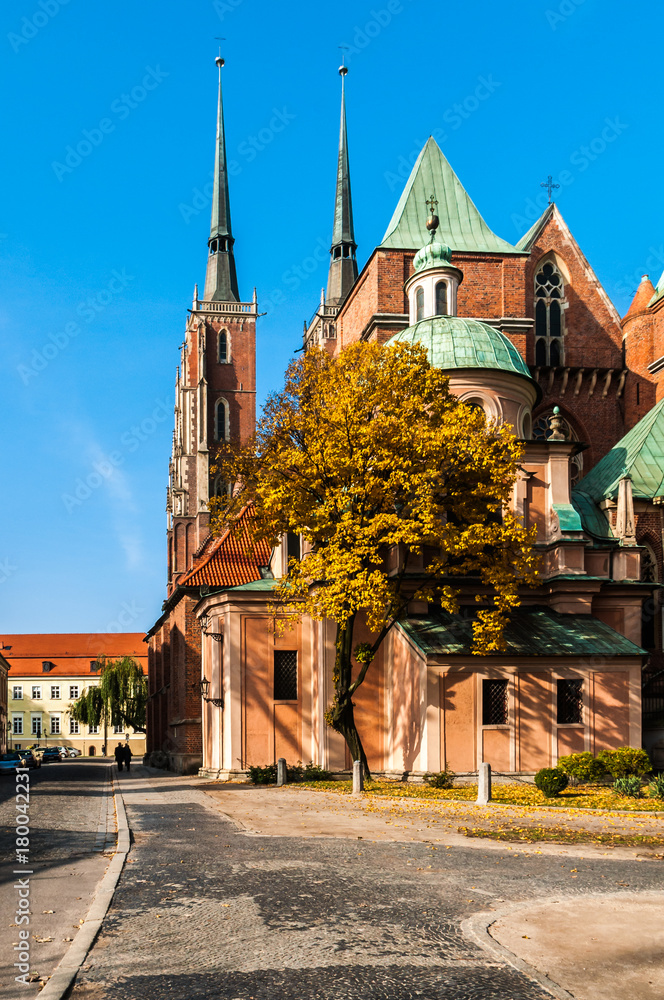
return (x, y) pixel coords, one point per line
(73, 751)
(29, 758)
(10, 761)
(35, 749)
(64, 752)
(50, 755)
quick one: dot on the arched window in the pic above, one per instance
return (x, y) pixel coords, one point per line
(541, 431)
(419, 304)
(441, 298)
(224, 348)
(549, 325)
(221, 421)
(221, 487)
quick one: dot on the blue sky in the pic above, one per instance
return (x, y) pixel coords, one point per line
(100, 252)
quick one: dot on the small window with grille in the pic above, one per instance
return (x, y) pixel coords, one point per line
(570, 701)
(494, 703)
(285, 675)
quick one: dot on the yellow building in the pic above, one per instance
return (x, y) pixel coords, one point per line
(48, 673)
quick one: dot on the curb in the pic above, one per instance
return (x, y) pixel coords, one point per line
(65, 973)
(477, 929)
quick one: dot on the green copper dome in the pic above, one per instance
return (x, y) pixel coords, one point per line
(432, 255)
(453, 342)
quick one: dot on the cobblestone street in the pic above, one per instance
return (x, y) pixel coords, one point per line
(205, 910)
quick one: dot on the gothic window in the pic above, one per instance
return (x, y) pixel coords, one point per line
(224, 348)
(419, 304)
(221, 421)
(648, 564)
(541, 431)
(441, 298)
(220, 487)
(549, 327)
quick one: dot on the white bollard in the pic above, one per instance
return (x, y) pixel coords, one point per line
(358, 777)
(484, 784)
(282, 778)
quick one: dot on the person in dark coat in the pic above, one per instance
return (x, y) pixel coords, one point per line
(119, 756)
(126, 755)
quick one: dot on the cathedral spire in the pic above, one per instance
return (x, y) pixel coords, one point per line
(220, 277)
(343, 266)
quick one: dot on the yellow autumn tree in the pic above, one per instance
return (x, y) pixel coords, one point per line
(372, 461)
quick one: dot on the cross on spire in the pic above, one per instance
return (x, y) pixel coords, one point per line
(431, 204)
(549, 185)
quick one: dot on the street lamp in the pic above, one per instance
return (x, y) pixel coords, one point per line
(204, 686)
(206, 628)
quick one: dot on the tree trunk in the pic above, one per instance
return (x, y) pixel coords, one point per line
(342, 716)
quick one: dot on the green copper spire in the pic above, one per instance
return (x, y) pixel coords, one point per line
(461, 225)
(343, 266)
(220, 277)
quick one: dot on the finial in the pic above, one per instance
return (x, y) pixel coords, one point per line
(343, 69)
(220, 61)
(549, 185)
(433, 221)
(557, 426)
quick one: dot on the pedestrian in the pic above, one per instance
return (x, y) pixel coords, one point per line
(119, 756)
(126, 755)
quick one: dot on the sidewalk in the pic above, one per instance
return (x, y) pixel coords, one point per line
(234, 892)
(291, 811)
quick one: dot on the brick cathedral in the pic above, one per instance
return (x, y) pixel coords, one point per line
(527, 332)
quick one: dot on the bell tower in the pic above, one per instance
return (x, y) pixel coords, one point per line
(215, 386)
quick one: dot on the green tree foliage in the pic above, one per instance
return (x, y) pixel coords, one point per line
(119, 699)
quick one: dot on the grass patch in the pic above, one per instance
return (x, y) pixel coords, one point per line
(562, 835)
(514, 794)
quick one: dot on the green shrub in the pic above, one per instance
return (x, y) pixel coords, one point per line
(263, 775)
(630, 786)
(439, 779)
(551, 781)
(581, 768)
(294, 772)
(626, 762)
(656, 787)
(314, 772)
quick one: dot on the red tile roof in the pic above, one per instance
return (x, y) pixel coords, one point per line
(230, 561)
(71, 653)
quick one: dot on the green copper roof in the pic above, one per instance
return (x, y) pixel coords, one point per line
(434, 254)
(659, 291)
(461, 225)
(454, 342)
(532, 631)
(593, 520)
(640, 454)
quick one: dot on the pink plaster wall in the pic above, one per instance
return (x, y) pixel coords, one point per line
(534, 733)
(610, 709)
(460, 720)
